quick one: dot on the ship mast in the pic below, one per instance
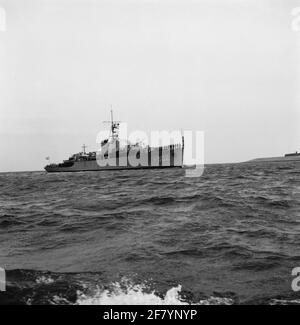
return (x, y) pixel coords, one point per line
(83, 148)
(114, 126)
(112, 117)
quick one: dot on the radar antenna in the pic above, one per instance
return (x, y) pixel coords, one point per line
(114, 126)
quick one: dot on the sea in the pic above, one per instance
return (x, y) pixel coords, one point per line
(231, 236)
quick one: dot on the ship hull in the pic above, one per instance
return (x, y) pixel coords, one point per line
(156, 158)
(86, 169)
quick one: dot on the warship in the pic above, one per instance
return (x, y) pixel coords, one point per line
(113, 155)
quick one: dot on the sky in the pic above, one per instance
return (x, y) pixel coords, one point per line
(230, 68)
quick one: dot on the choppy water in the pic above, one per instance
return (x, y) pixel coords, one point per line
(147, 237)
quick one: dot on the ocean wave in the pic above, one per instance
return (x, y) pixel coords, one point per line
(255, 265)
(159, 200)
(41, 287)
(139, 294)
(10, 221)
(134, 295)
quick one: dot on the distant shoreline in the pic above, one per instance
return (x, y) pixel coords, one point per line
(275, 159)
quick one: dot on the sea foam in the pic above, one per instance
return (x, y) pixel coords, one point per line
(138, 295)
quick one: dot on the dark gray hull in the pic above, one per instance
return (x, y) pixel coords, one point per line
(54, 169)
(159, 158)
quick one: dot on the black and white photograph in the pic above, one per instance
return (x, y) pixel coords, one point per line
(150, 154)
